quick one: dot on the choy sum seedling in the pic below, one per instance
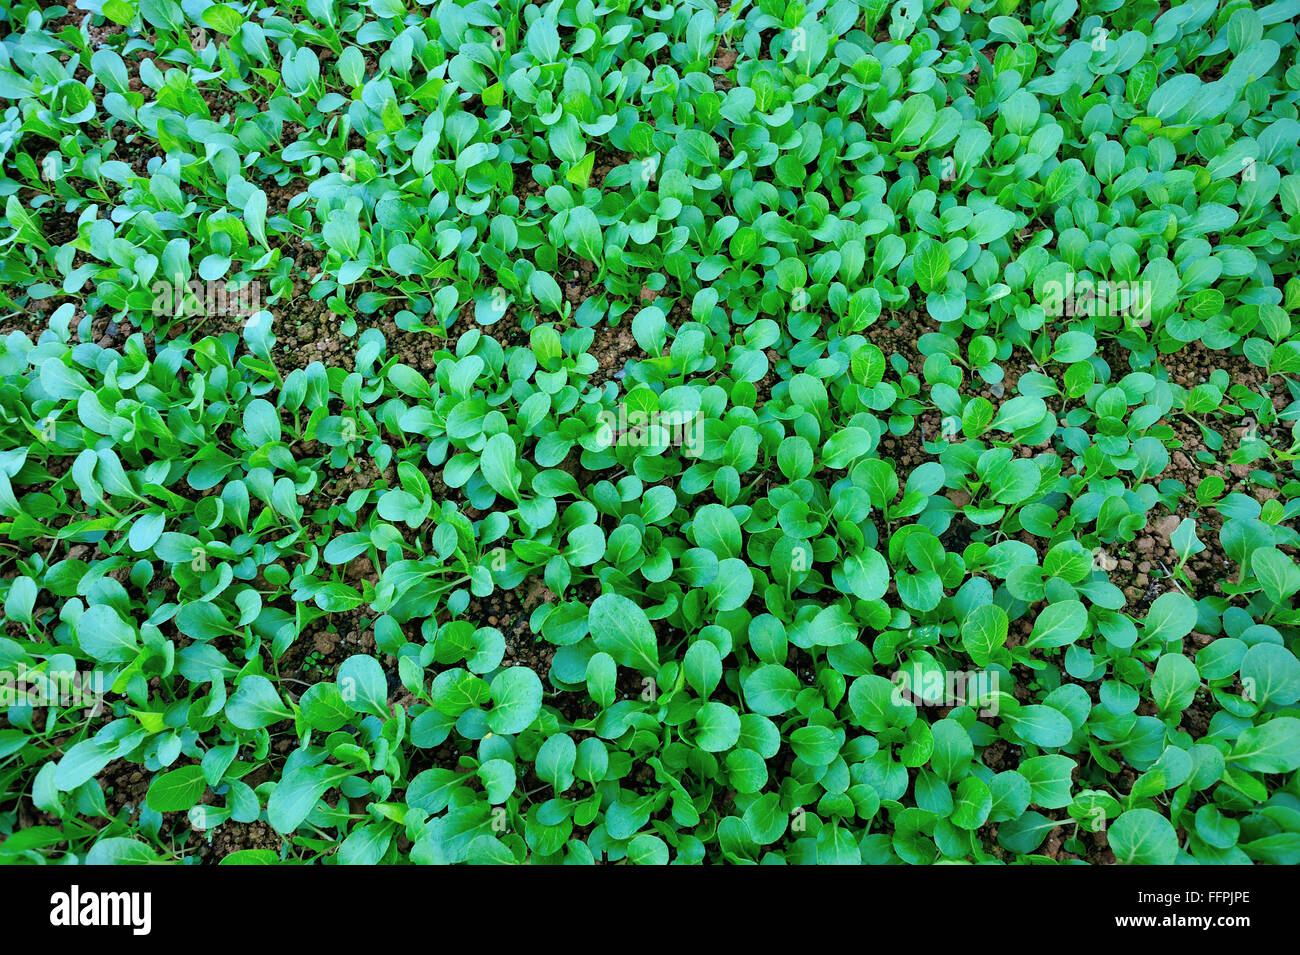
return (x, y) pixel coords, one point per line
(834, 433)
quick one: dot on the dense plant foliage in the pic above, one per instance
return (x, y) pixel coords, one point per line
(791, 432)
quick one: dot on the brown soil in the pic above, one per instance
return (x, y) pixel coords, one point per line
(1001, 755)
(774, 377)
(509, 612)
(579, 282)
(124, 784)
(233, 836)
(307, 330)
(898, 333)
(723, 61)
(606, 161)
(613, 347)
(526, 187)
(333, 638)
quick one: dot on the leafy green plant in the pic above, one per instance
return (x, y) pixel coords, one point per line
(556, 433)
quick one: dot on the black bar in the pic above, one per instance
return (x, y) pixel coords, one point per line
(332, 904)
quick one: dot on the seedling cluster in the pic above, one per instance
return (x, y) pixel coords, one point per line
(829, 431)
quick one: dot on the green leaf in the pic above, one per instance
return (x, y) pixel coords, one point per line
(1270, 674)
(516, 700)
(119, 850)
(931, 266)
(498, 777)
(1020, 413)
(983, 632)
(250, 857)
(103, 634)
(500, 465)
(543, 40)
(1143, 837)
(363, 685)
(873, 705)
(832, 627)
(621, 629)
(1065, 181)
(298, 792)
(1172, 615)
(602, 679)
(255, 704)
(1059, 625)
(546, 291)
(1049, 779)
(583, 232)
(717, 529)
(1277, 574)
(1271, 748)
(1174, 685)
(555, 760)
(765, 819)
(647, 849)
(845, 447)
(972, 805)
(770, 690)
(953, 750)
(1039, 725)
(177, 791)
(323, 707)
(718, 727)
(82, 761)
(223, 17)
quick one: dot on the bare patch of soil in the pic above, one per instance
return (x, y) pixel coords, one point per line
(235, 836)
